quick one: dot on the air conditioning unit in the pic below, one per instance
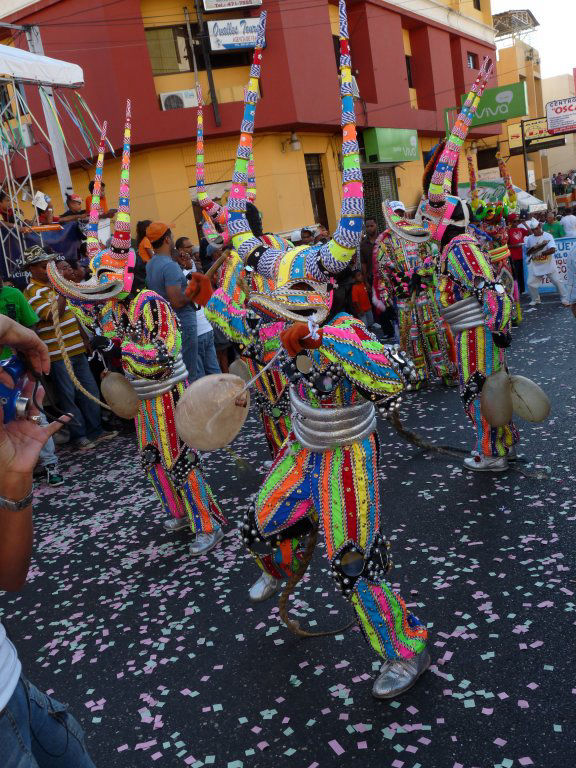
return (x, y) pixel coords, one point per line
(178, 99)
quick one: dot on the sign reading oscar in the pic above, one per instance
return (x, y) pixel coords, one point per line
(561, 115)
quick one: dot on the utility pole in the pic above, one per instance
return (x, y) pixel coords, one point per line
(525, 155)
(56, 142)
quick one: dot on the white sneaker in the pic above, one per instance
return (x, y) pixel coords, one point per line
(265, 587)
(486, 463)
(376, 325)
(176, 523)
(534, 303)
(398, 675)
(267, 464)
(204, 542)
(565, 303)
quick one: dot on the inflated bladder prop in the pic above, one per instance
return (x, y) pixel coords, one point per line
(496, 399)
(529, 401)
(240, 368)
(120, 395)
(212, 411)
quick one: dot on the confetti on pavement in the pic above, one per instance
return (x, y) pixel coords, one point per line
(165, 661)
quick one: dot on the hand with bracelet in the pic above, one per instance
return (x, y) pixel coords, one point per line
(33, 726)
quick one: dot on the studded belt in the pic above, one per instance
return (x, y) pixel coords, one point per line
(463, 315)
(322, 429)
(147, 389)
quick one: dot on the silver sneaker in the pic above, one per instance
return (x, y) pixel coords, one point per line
(204, 542)
(176, 524)
(486, 463)
(398, 675)
(265, 587)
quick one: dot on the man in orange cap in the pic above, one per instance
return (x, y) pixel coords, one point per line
(165, 277)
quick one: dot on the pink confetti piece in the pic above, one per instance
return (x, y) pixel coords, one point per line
(336, 747)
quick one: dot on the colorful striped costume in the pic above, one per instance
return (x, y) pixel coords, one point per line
(257, 344)
(150, 342)
(461, 267)
(422, 333)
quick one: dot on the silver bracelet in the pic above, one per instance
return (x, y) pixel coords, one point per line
(16, 506)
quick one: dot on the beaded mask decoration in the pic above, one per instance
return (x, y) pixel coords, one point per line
(407, 229)
(113, 268)
(301, 275)
(437, 207)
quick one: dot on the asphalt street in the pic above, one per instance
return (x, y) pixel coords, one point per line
(165, 661)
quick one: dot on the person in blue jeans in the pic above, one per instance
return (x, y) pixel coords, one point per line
(164, 276)
(36, 730)
(207, 357)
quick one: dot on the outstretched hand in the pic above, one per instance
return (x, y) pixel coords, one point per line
(296, 337)
(199, 289)
(26, 342)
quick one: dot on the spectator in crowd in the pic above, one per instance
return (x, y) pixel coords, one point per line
(553, 226)
(13, 304)
(568, 222)
(207, 358)
(143, 244)
(165, 277)
(35, 729)
(516, 237)
(571, 279)
(367, 249)
(6, 212)
(86, 428)
(74, 211)
(322, 234)
(306, 236)
(295, 237)
(361, 305)
(540, 249)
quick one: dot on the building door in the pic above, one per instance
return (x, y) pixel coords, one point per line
(316, 186)
(379, 185)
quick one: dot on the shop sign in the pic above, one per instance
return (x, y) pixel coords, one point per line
(496, 106)
(229, 34)
(224, 5)
(537, 136)
(390, 145)
(561, 115)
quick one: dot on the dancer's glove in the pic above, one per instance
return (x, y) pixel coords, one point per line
(502, 340)
(199, 289)
(297, 337)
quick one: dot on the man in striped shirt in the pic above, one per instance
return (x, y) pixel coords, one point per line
(86, 428)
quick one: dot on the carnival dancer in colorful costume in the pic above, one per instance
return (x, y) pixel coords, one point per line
(262, 342)
(339, 372)
(148, 331)
(404, 271)
(473, 302)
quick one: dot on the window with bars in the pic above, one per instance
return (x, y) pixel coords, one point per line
(169, 51)
(379, 185)
(316, 187)
(472, 60)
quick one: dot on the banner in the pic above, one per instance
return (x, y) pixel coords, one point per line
(230, 34)
(564, 247)
(224, 5)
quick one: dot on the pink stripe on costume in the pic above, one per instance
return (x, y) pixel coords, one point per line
(352, 189)
(238, 193)
(174, 502)
(380, 596)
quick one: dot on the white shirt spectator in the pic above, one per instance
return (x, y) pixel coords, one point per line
(538, 264)
(10, 669)
(569, 224)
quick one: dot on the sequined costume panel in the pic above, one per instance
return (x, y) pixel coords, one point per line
(341, 487)
(477, 355)
(403, 272)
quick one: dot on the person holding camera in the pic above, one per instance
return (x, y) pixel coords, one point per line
(36, 730)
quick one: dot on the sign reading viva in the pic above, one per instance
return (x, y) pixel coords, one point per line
(224, 5)
(228, 34)
(501, 103)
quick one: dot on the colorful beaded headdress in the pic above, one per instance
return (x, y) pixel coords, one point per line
(407, 229)
(440, 195)
(301, 275)
(113, 268)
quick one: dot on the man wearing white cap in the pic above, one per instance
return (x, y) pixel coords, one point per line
(540, 249)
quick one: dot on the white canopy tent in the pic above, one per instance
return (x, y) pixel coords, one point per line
(27, 67)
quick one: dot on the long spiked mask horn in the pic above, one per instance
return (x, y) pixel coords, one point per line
(244, 242)
(92, 242)
(337, 254)
(511, 195)
(441, 182)
(120, 243)
(213, 209)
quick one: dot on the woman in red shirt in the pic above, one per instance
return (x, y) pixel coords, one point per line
(516, 235)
